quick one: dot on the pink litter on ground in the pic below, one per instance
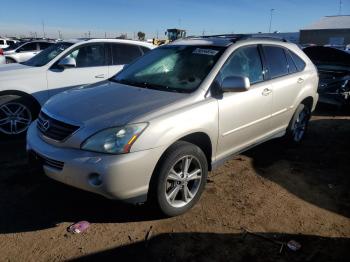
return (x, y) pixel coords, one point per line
(79, 227)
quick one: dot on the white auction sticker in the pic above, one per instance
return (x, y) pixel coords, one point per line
(201, 51)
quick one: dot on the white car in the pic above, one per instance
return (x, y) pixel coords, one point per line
(26, 51)
(26, 86)
(5, 43)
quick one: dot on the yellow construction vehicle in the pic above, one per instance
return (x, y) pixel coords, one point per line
(172, 35)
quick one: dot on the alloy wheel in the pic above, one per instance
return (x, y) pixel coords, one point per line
(183, 181)
(300, 125)
(15, 118)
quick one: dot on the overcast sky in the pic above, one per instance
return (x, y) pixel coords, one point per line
(113, 17)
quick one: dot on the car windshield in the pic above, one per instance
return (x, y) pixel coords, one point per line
(47, 54)
(171, 68)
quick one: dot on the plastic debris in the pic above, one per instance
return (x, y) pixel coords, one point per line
(79, 227)
(293, 245)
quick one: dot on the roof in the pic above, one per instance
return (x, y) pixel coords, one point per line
(330, 22)
(223, 40)
(109, 40)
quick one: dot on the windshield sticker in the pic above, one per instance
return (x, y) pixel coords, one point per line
(201, 51)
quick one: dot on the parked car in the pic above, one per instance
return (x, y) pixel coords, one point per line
(2, 58)
(334, 71)
(26, 86)
(25, 51)
(154, 130)
(5, 43)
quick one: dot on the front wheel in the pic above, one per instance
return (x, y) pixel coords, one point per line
(180, 178)
(299, 124)
(16, 114)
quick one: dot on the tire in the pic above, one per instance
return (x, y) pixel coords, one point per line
(298, 125)
(10, 60)
(16, 114)
(168, 188)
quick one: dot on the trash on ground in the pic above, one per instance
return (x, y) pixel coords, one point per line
(293, 245)
(79, 227)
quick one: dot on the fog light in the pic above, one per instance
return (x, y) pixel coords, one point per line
(95, 179)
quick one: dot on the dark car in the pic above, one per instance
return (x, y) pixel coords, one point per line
(334, 71)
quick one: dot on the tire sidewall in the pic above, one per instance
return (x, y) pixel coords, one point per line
(173, 154)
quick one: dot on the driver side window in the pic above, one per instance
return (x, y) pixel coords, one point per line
(89, 56)
(246, 62)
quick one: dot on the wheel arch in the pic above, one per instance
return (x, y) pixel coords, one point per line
(22, 94)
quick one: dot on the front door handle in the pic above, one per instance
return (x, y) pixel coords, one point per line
(266, 92)
(300, 80)
(100, 76)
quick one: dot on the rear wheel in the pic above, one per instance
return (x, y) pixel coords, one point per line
(299, 124)
(16, 114)
(180, 178)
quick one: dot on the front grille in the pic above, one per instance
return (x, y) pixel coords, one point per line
(53, 128)
(43, 160)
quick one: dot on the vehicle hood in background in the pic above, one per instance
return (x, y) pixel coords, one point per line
(17, 71)
(321, 55)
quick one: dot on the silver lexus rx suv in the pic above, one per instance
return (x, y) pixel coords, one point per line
(153, 131)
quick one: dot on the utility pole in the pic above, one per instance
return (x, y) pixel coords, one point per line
(59, 34)
(43, 24)
(271, 14)
(340, 6)
(89, 34)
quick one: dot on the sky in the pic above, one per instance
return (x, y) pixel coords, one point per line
(75, 18)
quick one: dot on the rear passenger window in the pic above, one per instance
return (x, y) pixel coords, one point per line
(244, 62)
(28, 47)
(291, 66)
(43, 46)
(276, 60)
(2, 42)
(124, 54)
(300, 64)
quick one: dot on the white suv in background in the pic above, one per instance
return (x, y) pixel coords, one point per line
(5, 43)
(26, 86)
(26, 51)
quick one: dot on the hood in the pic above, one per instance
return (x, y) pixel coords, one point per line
(108, 104)
(327, 56)
(17, 70)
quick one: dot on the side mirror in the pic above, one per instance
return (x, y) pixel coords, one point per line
(235, 84)
(67, 62)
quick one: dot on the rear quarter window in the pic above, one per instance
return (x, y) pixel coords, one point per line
(300, 64)
(124, 54)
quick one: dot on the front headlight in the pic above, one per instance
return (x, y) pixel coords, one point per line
(116, 140)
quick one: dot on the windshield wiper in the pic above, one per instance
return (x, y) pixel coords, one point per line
(149, 85)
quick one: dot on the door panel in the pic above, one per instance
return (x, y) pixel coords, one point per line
(61, 80)
(244, 117)
(286, 84)
(91, 67)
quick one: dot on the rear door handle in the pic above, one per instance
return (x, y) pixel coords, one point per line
(300, 80)
(266, 92)
(100, 76)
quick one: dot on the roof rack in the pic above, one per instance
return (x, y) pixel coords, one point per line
(239, 37)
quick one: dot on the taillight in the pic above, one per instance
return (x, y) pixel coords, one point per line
(1, 52)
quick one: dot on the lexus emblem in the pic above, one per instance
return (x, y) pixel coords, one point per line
(46, 125)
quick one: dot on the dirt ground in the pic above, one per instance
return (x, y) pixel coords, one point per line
(278, 192)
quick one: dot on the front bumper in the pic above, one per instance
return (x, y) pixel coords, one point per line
(123, 177)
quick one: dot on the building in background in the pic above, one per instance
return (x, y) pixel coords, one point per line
(329, 30)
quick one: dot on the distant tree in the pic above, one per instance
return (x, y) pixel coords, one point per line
(141, 36)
